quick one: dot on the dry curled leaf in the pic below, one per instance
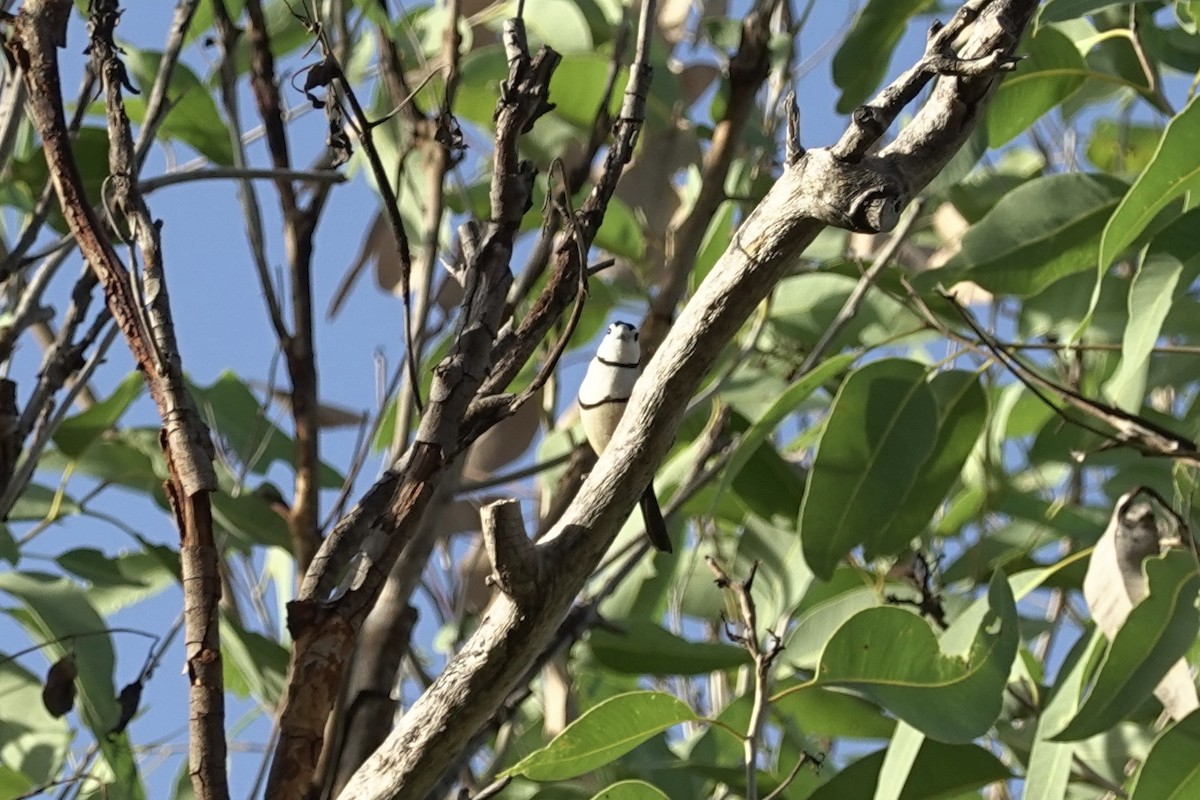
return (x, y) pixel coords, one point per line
(1115, 583)
(504, 442)
(58, 693)
(129, 700)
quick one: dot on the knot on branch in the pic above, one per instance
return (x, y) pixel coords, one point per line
(863, 196)
(515, 561)
(876, 210)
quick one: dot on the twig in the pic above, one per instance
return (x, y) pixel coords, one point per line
(763, 657)
(511, 353)
(535, 265)
(1143, 435)
(147, 185)
(854, 301)
(470, 487)
(805, 758)
(16, 258)
(298, 343)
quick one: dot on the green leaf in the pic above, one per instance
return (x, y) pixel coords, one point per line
(782, 578)
(769, 486)
(1172, 171)
(13, 783)
(1157, 633)
(254, 665)
(78, 432)
(54, 608)
(939, 771)
(716, 240)
(879, 434)
(241, 421)
(788, 402)
(1151, 296)
(629, 790)
(1063, 10)
(603, 734)
(37, 503)
(577, 87)
(818, 622)
(1188, 14)
(192, 117)
(117, 773)
(806, 305)
(1051, 762)
(962, 412)
(90, 148)
(558, 23)
(1041, 231)
(893, 657)
(620, 233)
(1122, 149)
(480, 74)
(1171, 770)
(8, 546)
(130, 458)
(898, 761)
(1051, 70)
(822, 711)
(644, 648)
(251, 520)
(860, 63)
(33, 744)
(119, 582)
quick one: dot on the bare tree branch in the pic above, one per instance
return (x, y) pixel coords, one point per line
(37, 33)
(349, 571)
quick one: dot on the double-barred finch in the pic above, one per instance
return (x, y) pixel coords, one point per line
(603, 396)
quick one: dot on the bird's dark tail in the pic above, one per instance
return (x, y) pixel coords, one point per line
(656, 526)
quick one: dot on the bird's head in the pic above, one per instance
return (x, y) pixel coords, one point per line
(620, 344)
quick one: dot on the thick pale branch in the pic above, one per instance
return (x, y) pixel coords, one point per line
(817, 190)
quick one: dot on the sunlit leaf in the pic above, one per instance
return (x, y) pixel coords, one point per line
(1172, 171)
(642, 647)
(894, 657)
(1051, 70)
(880, 433)
(1038, 233)
(604, 733)
(1173, 252)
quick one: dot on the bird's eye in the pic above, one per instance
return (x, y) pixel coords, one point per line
(635, 336)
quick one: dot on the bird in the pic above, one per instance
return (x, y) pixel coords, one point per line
(603, 395)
